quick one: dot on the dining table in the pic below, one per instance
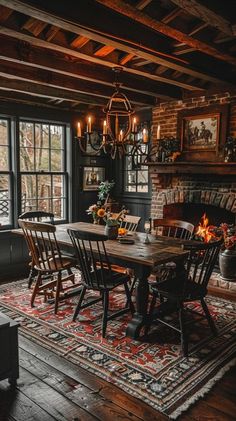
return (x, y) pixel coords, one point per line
(140, 256)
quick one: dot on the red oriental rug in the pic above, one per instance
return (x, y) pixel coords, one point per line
(153, 371)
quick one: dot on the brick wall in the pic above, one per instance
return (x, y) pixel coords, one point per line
(166, 113)
(213, 189)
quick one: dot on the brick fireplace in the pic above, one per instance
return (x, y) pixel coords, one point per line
(184, 190)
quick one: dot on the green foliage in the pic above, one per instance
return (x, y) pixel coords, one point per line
(104, 189)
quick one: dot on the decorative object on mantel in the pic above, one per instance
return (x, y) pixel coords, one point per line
(202, 132)
(230, 150)
(227, 257)
(119, 129)
(165, 150)
(153, 372)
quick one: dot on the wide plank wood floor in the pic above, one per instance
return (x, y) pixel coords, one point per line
(51, 388)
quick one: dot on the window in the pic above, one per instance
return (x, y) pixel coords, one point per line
(33, 169)
(135, 173)
(5, 173)
(43, 168)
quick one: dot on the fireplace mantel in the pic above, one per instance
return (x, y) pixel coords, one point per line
(221, 168)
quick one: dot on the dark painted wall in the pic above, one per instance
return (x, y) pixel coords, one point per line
(13, 252)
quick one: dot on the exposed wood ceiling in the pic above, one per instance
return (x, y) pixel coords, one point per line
(61, 53)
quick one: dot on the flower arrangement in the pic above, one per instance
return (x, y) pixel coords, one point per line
(99, 212)
(229, 235)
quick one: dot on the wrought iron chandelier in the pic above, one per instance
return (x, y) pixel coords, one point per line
(120, 133)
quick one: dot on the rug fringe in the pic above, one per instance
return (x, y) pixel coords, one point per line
(200, 394)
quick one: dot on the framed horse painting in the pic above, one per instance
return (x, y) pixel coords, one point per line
(202, 132)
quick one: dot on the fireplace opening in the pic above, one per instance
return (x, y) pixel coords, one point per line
(192, 212)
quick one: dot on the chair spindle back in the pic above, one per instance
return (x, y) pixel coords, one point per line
(92, 258)
(173, 228)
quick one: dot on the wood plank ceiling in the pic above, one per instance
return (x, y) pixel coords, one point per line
(60, 54)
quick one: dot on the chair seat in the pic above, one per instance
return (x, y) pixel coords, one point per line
(175, 289)
(57, 264)
(107, 280)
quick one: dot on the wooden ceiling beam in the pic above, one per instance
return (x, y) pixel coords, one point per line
(207, 15)
(51, 33)
(104, 51)
(21, 52)
(105, 39)
(172, 15)
(142, 4)
(126, 58)
(129, 11)
(35, 89)
(79, 42)
(51, 79)
(194, 31)
(5, 13)
(34, 26)
(96, 60)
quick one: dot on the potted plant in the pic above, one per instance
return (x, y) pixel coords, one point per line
(227, 257)
(104, 190)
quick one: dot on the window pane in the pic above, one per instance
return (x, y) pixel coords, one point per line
(29, 205)
(142, 189)
(56, 160)
(44, 186)
(56, 137)
(4, 164)
(45, 205)
(3, 132)
(26, 134)
(26, 159)
(42, 159)
(59, 208)
(4, 200)
(142, 177)
(28, 189)
(58, 185)
(45, 136)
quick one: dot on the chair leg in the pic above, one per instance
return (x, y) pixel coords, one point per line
(184, 339)
(69, 271)
(209, 318)
(81, 297)
(133, 282)
(35, 290)
(31, 277)
(105, 312)
(58, 289)
(151, 309)
(129, 302)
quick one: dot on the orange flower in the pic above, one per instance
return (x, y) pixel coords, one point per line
(101, 213)
(122, 231)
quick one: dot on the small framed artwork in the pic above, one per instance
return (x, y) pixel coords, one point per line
(202, 131)
(92, 177)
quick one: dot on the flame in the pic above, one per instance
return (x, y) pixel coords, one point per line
(205, 230)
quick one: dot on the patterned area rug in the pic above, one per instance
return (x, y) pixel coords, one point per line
(150, 369)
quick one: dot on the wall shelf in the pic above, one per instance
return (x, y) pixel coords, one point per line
(221, 168)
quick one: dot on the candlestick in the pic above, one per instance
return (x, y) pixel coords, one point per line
(89, 126)
(134, 127)
(104, 127)
(78, 129)
(145, 136)
(158, 131)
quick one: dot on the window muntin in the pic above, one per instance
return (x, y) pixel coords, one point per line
(5, 173)
(43, 168)
(135, 173)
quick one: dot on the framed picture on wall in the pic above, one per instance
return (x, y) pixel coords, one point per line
(92, 177)
(202, 132)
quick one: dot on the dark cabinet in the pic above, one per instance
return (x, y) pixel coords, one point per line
(9, 359)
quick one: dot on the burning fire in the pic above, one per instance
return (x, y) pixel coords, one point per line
(204, 230)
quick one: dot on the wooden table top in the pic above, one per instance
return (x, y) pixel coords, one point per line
(160, 250)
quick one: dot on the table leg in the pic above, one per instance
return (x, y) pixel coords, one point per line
(140, 316)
